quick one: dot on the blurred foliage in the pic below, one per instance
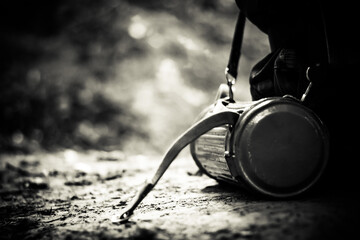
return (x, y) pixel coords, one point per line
(97, 73)
(51, 76)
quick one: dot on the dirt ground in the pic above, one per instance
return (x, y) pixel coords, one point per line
(79, 195)
(112, 70)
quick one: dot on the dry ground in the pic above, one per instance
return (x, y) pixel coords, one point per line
(59, 87)
(79, 195)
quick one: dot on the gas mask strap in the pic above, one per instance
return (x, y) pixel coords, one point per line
(231, 70)
(195, 131)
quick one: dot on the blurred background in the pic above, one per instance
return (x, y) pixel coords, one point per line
(127, 75)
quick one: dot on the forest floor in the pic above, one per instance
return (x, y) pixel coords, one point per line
(79, 195)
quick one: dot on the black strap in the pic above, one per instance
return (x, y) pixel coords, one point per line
(235, 51)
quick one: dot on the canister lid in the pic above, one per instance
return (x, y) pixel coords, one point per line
(281, 147)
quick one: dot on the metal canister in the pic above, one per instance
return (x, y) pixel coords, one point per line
(278, 147)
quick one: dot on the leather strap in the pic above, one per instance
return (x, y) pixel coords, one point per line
(195, 131)
(235, 52)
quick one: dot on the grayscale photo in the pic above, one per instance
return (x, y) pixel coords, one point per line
(165, 119)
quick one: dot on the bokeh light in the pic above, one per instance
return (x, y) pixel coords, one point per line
(115, 75)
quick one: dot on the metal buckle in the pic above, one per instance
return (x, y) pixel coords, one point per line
(230, 82)
(308, 87)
